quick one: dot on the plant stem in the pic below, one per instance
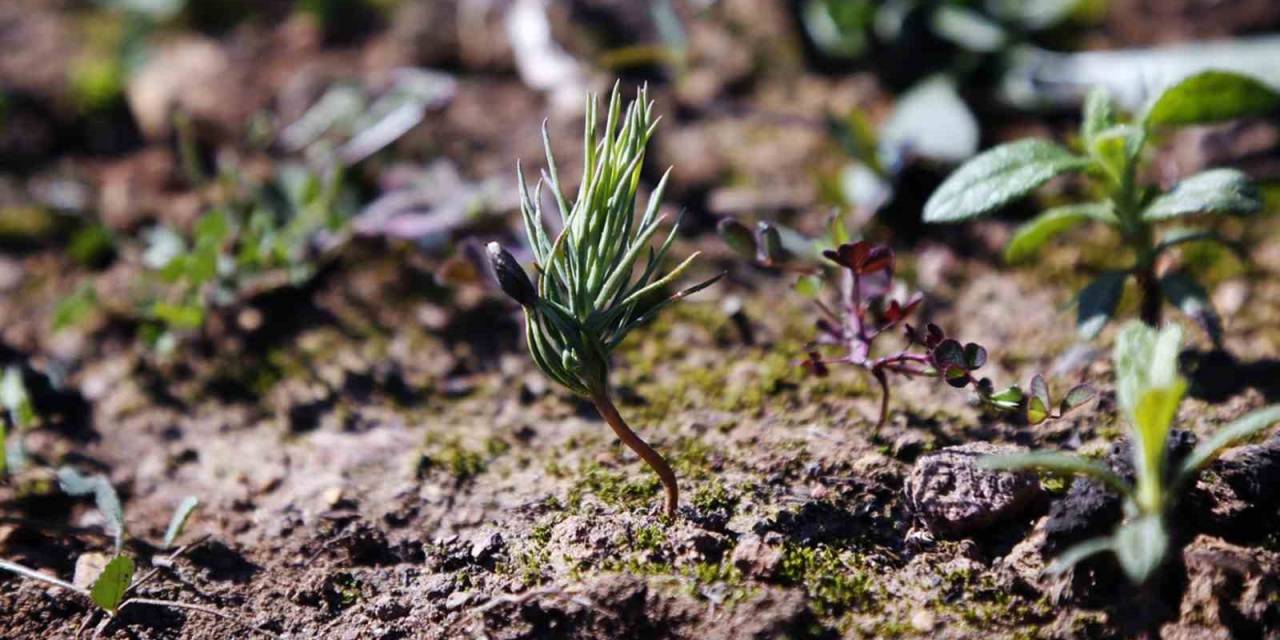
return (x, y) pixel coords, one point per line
(1152, 299)
(604, 405)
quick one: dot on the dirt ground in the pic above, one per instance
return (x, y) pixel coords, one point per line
(380, 458)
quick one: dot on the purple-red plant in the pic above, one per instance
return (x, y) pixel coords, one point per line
(867, 311)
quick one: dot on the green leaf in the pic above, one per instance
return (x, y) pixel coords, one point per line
(1008, 398)
(1034, 233)
(1075, 554)
(1144, 359)
(109, 589)
(1224, 191)
(738, 237)
(1140, 547)
(1116, 149)
(14, 397)
(1038, 402)
(1152, 419)
(1183, 235)
(1057, 463)
(1099, 115)
(178, 316)
(809, 286)
(1187, 294)
(968, 29)
(1239, 429)
(998, 176)
(1097, 303)
(1211, 96)
(1077, 396)
(179, 520)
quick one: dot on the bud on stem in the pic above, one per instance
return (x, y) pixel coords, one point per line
(511, 277)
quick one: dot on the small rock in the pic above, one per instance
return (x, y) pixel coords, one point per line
(485, 547)
(923, 620)
(756, 558)
(953, 497)
(457, 599)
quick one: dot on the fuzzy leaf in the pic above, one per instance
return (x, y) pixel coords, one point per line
(1117, 148)
(1008, 398)
(1097, 303)
(1211, 96)
(1099, 114)
(108, 590)
(1144, 359)
(1225, 191)
(997, 177)
(1034, 233)
(1140, 547)
(1239, 429)
(179, 520)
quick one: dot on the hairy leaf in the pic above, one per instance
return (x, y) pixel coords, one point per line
(1144, 359)
(1140, 547)
(998, 176)
(1076, 397)
(1117, 149)
(1225, 191)
(1034, 233)
(1099, 115)
(1211, 96)
(1097, 303)
(1038, 402)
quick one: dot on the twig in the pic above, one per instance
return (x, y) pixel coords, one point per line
(198, 608)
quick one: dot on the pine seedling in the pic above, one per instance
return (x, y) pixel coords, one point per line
(1148, 390)
(1111, 159)
(589, 292)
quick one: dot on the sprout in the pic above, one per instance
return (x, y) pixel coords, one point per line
(588, 295)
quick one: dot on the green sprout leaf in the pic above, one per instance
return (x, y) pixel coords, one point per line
(1116, 149)
(1038, 402)
(14, 397)
(1099, 115)
(179, 520)
(1238, 430)
(1057, 463)
(1223, 191)
(1144, 359)
(1033, 234)
(738, 237)
(1073, 556)
(1140, 546)
(1076, 397)
(74, 483)
(109, 589)
(1211, 96)
(997, 177)
(1097, 303)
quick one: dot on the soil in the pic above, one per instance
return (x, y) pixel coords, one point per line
(380, 458)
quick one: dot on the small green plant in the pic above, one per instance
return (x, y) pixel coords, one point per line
(110, 582)
(588, 296)
(1148, 390)
(1113, 154)
(19, 416)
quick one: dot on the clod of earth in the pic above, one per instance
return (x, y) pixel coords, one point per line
(953, 497)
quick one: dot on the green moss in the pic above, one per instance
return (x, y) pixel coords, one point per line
(834, 579)
(627, 491)
(459, 461)
(713, 495)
